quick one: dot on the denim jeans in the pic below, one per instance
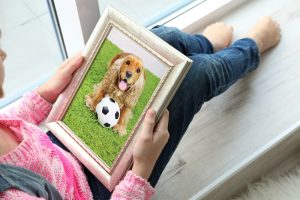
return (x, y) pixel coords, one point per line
(210, 75)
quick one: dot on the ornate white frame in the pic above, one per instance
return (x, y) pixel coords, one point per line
(178, 67)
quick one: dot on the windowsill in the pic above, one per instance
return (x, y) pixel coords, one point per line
(224, 147)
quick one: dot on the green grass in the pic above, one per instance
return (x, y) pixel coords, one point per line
(104, 142)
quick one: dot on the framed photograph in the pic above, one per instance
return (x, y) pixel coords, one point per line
(127, 69)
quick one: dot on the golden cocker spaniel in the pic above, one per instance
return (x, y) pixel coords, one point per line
(124, 82)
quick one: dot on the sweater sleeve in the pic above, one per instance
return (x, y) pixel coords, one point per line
(133, 187)
(31, 108)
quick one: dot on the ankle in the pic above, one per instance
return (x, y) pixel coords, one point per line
(257, 40)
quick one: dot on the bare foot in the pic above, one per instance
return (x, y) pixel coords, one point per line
(219, 34)
(266, 33)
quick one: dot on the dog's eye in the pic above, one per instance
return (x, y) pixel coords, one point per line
(138, 70)
(127, 62)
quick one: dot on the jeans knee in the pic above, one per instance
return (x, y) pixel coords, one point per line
(217, 73)
(171, 35)
(205, 74)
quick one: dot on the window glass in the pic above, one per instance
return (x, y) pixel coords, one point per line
(145, 12)
(31, 45)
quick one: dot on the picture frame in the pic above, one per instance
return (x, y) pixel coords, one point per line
(120, 57)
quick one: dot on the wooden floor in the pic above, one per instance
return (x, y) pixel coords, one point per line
(252, 112)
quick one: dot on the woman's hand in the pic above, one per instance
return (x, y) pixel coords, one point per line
(64, 74)
(150, 143)
(2, 55)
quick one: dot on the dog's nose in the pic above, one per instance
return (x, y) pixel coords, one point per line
(128, 74)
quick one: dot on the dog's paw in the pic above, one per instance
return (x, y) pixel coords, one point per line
(120, 129)
(89, 103)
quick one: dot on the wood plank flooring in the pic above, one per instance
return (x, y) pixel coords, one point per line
(252, 112)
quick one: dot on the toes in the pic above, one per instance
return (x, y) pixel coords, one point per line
(230, 28)
(277, 30)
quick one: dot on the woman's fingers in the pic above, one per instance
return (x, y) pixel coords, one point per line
(72, 64)
(149, 123)
(163, 123)
(161, 133)
(2, 55)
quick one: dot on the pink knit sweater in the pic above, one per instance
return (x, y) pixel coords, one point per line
(37, 153)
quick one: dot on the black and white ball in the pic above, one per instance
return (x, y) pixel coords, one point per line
(108, 112)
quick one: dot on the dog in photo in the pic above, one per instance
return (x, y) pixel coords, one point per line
(124, 82)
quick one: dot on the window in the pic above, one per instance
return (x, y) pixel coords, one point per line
(29, 40)
(146, 12)
(76, 25)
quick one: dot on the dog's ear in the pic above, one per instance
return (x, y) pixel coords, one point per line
(116, 57)
(144, 73)
(139, 84)
(135, 91)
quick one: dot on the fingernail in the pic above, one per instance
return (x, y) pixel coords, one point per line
(79, 56)
(151, 112)
(79, 59)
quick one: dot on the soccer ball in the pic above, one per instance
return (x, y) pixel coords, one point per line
(108, 112)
